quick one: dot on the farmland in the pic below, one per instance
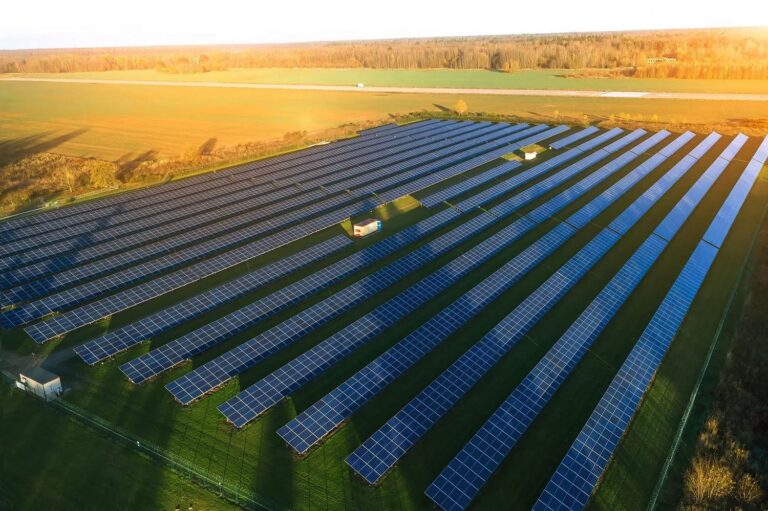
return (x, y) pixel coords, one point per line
(254, 459)
(477, 79)
(110, 122)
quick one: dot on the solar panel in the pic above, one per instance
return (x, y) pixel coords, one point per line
(580, 470)
(97, 310)
(717, 231)
(265, 393)
(235, 202)
(573, 481)
(198, 209)
(323, 417)
(380, 451)
(451, 489)
(118, 340)
(575, 137)
(211, 375)
(469, 184)
(684, 208)
(151, 268)
(53, 219)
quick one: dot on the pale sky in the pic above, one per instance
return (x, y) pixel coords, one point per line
(87, 23)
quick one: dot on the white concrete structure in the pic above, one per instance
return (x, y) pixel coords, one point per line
(40, 382)
(366, 227)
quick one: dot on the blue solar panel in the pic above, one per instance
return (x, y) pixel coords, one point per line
(118, 340)
(265, 393)
(260, 171)
(469, 184)
(131, 275)
(572, 483)
(378, 454)
(230, 209)
(309, 427)
(216, 372)
(575, 137)
(719, 228)
(685, 207)
(580, 470)
(510, 421)
(121, 339)
(197, 209)
(97, 310)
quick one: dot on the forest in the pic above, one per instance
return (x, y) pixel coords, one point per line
(701, 53)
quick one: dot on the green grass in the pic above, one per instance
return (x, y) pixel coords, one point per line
(476, 79)
(124, 121)
(256, 459)
(54, 463)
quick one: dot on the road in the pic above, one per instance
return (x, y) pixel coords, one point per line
(419, 90)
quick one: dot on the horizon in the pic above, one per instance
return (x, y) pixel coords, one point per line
(84, 24)
(386, 39)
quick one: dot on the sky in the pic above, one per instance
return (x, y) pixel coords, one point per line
(89, 23)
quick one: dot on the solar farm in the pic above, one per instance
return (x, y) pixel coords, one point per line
(519, 334)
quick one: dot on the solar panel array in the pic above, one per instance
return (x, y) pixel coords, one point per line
(25, 226)
(95, 311)
(319, 420)
(456, 486)
(57, 247)
(570, 139)
(268, 391)
(214, 373)
(73, 266)
(241, 214)
(378, 454)
(122, 339)
(577, 475)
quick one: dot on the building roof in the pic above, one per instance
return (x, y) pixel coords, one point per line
(39, 375)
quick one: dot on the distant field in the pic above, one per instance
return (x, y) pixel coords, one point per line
(120, 120)
(540, 79)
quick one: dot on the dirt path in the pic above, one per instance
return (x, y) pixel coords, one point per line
(420, 90)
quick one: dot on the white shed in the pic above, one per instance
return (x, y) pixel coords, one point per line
(40, 382)
(366, 227)
(530, 154)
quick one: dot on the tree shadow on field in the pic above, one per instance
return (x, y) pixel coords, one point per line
(442, 108)
(13, 150)
(127, 164)
(207, 147)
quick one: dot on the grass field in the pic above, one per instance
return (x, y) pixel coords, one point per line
(115, 121)
(256, 459)
(530, 79)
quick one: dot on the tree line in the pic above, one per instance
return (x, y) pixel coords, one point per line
(703, 53)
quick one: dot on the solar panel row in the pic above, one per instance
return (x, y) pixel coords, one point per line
(469, 184)
(579, 135)
(326, 172)
(465, 475)
(223, 218)
(214, 373)
(577, 475)
(97, 310)
(50, 220)
(319, 420)
(122, 339)
(136, 273)
(261, 396)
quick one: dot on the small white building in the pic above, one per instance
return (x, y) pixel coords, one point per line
(40, 382)
(360, 85)
(530, 154)
(366, 227)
